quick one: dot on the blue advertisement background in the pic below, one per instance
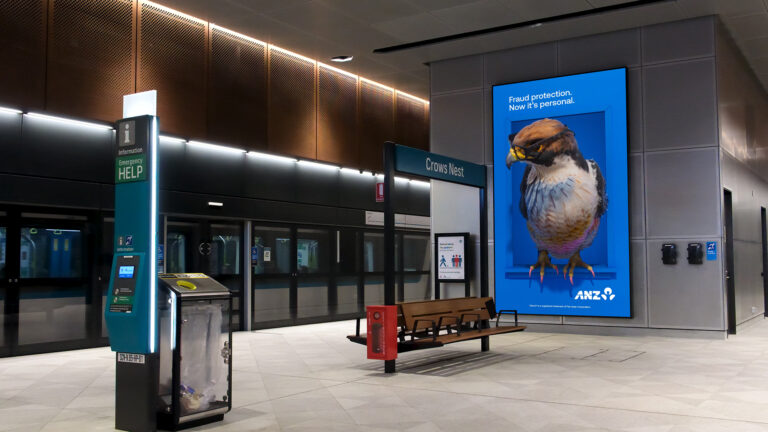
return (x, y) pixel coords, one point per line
(598, 118)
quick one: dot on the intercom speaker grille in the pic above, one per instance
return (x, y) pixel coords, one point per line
(22, 53)
(336, 119)
(412, 122)
(237, 83)
(172, 60)
(90, 57)
(376, 124)
(292, 113)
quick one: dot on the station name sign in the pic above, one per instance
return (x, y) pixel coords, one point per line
(419, 162)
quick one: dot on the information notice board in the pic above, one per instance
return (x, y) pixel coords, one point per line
(451, 259)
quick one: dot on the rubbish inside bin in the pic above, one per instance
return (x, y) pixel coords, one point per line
(203, 371)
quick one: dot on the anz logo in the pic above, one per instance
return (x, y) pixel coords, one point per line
(606, 295)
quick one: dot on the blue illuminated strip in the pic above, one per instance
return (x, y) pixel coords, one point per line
(153, 237)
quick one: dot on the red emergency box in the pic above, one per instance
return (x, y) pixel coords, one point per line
(382, 332)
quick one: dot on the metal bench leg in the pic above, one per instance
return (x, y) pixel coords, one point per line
(485, 343)
(389, 366)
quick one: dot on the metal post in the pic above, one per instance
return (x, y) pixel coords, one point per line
(485, 343)
(437, 269)
(389, 234)
(247, 306)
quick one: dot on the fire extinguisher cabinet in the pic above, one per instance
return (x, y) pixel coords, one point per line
(382, 332)
(195, 343)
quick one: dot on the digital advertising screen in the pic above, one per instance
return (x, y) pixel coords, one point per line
(561, 210)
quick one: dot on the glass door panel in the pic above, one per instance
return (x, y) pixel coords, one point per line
(225, 263)
(313, 263)
(3, 280)
(271, 272)
(53, 284)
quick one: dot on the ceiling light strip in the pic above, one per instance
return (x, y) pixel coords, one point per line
(377, 84)
(5, 110)
(173, 11)
(69, 121)
(271, 157)
(291, 53)
(318, 165)
(343, 72)
(215, 147)
(410, 96)
(237, 35)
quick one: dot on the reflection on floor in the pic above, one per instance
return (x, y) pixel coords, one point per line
(311, 378)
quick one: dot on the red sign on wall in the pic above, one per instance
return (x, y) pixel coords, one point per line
(379, 192)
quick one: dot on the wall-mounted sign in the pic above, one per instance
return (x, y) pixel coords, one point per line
(711, 251)
(379, 192)
(267, 254)
(560, 195)
(431, 165)
(451, 257)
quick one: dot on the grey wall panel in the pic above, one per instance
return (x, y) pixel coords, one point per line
(358, 190)
(521, 64)
(635, 117)
(10, 141)
(213, 172)
(49, 192)
(316, 185)
(682, 190)
(639, 295)
(171, 170)
(415, 199)
(636, 196)
(680, 105)
(679, 40)
(457, 74)
(684, 295)
(269, 179)
(457, 125)
(63, 150)
(603, 51)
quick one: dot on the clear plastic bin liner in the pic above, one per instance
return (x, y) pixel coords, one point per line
(203, 370)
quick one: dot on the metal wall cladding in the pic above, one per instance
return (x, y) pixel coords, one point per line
(292, 106)
(172, 60)
(376, 124)
(337, 117)
(411, 122)
(22, 52)
(91, 52)
(237, 91)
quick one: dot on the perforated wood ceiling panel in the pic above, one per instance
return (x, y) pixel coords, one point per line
(376, 124)
(237, 91)
(336, 117)
(292, 113)
(412, 122)
(172, 60)
(22, 53)
(90, 57)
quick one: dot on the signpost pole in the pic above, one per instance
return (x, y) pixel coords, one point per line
(389, 234)
(485, 344)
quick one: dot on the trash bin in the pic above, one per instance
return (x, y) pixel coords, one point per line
(195, 377)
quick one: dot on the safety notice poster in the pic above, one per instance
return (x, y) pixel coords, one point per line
(451, 257)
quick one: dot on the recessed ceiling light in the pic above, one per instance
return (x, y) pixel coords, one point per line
(342, 58)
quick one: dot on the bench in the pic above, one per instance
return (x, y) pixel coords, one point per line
(435, 323)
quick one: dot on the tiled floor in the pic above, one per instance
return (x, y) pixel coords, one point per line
(311, 378)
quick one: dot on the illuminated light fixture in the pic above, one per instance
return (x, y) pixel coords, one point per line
(402, 179)
(238, 35)
(216, 147)
(173, 11)
(352, 171)
(5, 110)
(318, 165)
(536, 25)
(412, 97)
(367, 173)
(70, 121)
(421, 183)
(293, 54)
(342, 58)
(215, 204)
(343, 72)
(155, 133)
(271, 157)
(377, 84)
(172, 139)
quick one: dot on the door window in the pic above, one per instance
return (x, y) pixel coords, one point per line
(271, 250)
(312, 251)
(3, 242)
(176, 253)
(50, 253)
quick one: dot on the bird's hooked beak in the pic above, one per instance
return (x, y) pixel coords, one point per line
(515, 154)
